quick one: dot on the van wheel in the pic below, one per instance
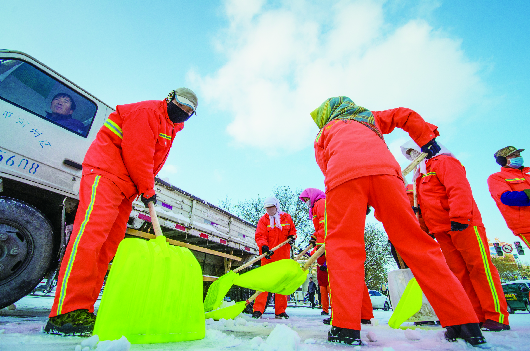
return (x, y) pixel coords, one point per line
(386, 306)
(510, 309)
(26, 244)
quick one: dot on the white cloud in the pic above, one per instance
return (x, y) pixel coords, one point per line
(283, 62)
(167, 171)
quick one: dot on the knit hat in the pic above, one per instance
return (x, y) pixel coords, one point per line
(184, 96)
(507, 151)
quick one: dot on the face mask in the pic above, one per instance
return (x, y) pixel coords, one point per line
(176, 114)
(516, 162)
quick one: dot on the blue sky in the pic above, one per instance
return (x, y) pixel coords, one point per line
(259, 67)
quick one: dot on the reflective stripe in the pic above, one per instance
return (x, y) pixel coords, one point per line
(514, 179)
(524, 239)
(428, 174)
(269, 226)
(114, 127)
(487, 270)
(165, 136)
(71, 259)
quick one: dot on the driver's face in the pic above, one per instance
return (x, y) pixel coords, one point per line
(62, 106)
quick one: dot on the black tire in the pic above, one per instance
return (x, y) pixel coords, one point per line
(386, 306)
(510, 310)
(26, 249)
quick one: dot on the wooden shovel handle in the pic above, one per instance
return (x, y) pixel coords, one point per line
(303, 252)
(154, 219)
(253, 297)
(414, 164)
(314, 257)
(254, 260)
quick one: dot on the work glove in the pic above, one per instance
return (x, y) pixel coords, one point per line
(313, 240)
(368, 210)
(527, 192)
(431, 148)
(323, 268)
(147, 200)
(458, 227)
(265, 250)
(291, 238)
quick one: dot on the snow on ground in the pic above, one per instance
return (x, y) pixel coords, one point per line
(22, 330)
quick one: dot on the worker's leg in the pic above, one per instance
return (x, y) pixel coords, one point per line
(345, 251)
(473, 245)
(109, 248)
(280, 303)
(324, 298)
(367, 311)
(422, 254)
(458, 266)
(99, 199)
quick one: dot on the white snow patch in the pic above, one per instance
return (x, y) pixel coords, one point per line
(282, 338)
(412, 334)
(122, 344)
(221, 339)
(90, 342)
(372, 337)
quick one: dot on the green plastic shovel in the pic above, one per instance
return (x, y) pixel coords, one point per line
(219, 288)
(409, 304)
(231, 312)
(281, 277)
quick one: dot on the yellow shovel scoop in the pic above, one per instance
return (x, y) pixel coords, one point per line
(233, 311)
(281, 277)
(219, 288)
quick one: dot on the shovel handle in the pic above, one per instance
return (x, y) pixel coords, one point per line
(253, 297)
(314, 257)
(256, 259)
(414, 164)
(303, 252)
(154, 219)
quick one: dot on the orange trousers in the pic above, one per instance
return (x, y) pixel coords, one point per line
(280, 303)
(99, 227)
(345, 251)
(468, 256)
(324, 299)
(367, 310)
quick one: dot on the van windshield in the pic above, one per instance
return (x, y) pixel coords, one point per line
(29, 88)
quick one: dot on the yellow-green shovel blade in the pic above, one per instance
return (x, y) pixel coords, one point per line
(409, 304)
(281, 277)
(217, 291)
(229, 312)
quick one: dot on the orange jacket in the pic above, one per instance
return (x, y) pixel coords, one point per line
(510, 179)
(265, 235)
(319, 220)
(445, 195)
(132, 146)
(347, 149)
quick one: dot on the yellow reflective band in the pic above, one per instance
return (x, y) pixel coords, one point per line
(325, 220)
(428, 174)
(322, 221)
(165, 136)
(71, 259)
(525, 241)
(114, 127)
(487, 270)
(514, 179)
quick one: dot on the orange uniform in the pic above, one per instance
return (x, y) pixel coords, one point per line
(360, 170)
(121, 163)
(445, 195)
(272, 236)
(517, 217)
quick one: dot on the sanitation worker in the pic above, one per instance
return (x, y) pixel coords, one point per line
(510, 188)
(273, 228)
(316, 203)
(454, 219)
(128, 152)
(359, 170)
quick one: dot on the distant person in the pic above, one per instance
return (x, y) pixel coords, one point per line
(62, 107)
(453, 217)
(274, 227)
(510, 188)
(120, 165)
(359, 170)
(311, 290)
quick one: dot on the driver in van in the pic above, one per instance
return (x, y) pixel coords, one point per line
(62, 107)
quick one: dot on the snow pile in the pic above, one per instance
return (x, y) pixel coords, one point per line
(221, 340)
(412, 334)
(93, 343)
(282, 338)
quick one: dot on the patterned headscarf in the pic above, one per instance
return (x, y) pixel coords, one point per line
(343, 108)
(274, 220)
(313, 195)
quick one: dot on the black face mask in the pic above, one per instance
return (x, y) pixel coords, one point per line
(176, 114)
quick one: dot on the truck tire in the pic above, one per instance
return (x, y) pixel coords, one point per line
(26, 249)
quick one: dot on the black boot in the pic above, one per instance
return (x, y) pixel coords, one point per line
(345, 336)
(366, 321)
(470, 332)
(327, 321)
(256, 314)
